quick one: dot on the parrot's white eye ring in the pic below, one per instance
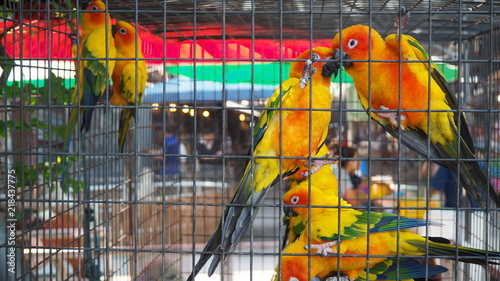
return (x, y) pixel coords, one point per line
(352, 43)
(95, 8)
(294, 200)
(315, 57)
(122, 31)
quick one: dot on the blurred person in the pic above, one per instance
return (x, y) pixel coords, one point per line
(443, 182)
(210, 167)
(170, 161)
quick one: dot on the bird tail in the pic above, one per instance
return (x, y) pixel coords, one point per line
(237, 217)
(471, 177)
(211, 247)
(125, 117)
(465, 254)
(401, 269)
(90, 98)
(235, 221)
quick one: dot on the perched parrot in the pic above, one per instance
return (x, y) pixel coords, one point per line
(127, 89)
(428, 109)
(334, 228)
(403, 269)
(93, 76)
(322, 179)
(283, 130)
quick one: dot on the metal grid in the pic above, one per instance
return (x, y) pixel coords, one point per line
(129, 222)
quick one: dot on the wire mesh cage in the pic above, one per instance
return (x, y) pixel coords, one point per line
(122, 146)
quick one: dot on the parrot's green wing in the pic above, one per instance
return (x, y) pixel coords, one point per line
(393, 222)
(353, 230)
(128, 82)
(96, 72)
(128, 89)
(379, 222)
(438, 77)
(272, 106)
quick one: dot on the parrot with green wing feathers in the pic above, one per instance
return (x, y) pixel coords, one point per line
(409, 97)
(293, 126)
(128, 90)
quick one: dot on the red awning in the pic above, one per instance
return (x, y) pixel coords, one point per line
(40, 39)
(37, 39)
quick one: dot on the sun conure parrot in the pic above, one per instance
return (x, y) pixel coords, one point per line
(128, 90)
(92, 76)
(401, 269)
(296, 114)
(427, 110)
(96, 42)
(322, 179)
(337, 229)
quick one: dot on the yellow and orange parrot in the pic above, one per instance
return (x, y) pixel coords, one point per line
(322, 179)
(96, 42)
(401, 269)
(293, 126)
(128, 90)
(92, 77)
(427, 111)
(349, 240)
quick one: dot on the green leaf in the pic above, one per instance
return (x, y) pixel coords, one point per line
(59, 131)
(26, 175)
(54, 91)
(3, 129)
(39, 124)
(11, 90)
(18, 125)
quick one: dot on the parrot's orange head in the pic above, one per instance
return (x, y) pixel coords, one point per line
(353, 43)
(297, 198)
(125, 35)
(94, 17)
(312, 64)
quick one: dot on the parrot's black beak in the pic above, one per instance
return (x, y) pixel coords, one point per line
(329, 68)
(289, 212)
(114, 28)
(339, 59)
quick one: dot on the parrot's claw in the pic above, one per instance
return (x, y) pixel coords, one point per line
(323, 249)
(317, 164)
(392, 117)
(308, 70)
(402, 18)
(306, 74)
